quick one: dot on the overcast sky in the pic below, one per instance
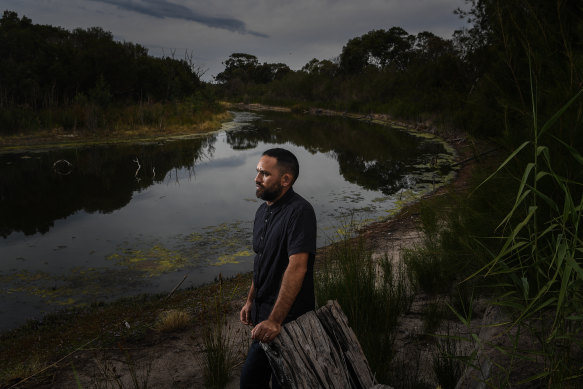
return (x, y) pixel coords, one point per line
(288, 31)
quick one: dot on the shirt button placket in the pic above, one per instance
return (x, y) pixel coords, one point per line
(266, 225)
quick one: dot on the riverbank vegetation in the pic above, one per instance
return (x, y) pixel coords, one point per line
(514, 76)
(85, 82)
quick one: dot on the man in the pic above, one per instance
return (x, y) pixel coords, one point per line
(284, 241)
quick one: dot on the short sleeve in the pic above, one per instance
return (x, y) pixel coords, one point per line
(301, 233)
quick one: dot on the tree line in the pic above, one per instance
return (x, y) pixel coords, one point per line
(388, 71)
(45, 68)
(478, 80)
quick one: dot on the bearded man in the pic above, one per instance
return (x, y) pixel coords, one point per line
(284, 242)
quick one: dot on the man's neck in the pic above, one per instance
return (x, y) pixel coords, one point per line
(283, 192)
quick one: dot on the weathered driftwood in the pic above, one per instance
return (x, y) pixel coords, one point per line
(319, 350)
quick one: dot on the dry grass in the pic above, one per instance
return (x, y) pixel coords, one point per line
(58, 137)
(173, 320)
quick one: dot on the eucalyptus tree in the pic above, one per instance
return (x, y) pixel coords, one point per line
(378, 49)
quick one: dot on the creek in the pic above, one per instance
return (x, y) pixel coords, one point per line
(95, 223)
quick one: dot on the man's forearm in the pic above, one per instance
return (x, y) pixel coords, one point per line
(251, 294)
(245, 314)
(291, 283)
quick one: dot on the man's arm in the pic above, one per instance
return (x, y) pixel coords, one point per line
(245, 314)
(291, 283)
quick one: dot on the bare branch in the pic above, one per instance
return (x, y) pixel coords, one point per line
(137, 161)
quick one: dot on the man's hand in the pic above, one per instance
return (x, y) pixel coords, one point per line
(266, 331)
(245, 314)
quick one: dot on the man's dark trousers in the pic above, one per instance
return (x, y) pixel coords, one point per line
(256, 371)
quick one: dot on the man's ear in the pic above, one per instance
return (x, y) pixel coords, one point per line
(286, 179)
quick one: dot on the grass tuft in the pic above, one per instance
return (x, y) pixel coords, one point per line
(427, 266)
(447, 364)
(173, 320)
(222, 347)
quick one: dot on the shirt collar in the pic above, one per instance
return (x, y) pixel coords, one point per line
(284, 199)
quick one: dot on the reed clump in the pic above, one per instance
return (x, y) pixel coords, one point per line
(372, 293)
(539, 268)
(222, 346)
(516, 240)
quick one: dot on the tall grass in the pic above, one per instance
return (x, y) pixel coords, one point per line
(447, 364)
(221, 347)
(455, 235)
(427, 267)
(538, 270)
(372, 293)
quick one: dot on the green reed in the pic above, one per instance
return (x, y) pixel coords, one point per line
(222, 347)
(538, 268)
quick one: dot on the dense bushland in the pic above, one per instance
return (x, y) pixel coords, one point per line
(382, 71)
(84, 79)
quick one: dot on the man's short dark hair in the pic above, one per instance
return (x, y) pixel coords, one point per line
(286, 161)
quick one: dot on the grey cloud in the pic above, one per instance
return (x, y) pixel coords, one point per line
(164, 9)
(233, 161)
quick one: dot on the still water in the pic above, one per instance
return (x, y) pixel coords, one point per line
(96, 223)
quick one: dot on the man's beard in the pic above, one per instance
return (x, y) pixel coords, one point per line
(268, 194)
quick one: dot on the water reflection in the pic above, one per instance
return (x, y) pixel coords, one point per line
(368, 155)
(38, 188)
(123, 219)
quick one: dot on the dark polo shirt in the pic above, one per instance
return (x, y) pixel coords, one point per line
(285, 228)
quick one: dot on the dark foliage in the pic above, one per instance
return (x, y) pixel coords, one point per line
(479, 80)
(384, 71)
(241, 68)
(45, 67)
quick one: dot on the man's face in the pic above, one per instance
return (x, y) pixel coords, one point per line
(268, 181)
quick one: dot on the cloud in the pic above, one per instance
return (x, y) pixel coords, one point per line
(164, 9)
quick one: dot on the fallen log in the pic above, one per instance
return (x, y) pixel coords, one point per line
(319, 350)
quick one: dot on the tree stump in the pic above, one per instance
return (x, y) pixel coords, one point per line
(319, 350)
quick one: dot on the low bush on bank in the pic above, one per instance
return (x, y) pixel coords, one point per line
(173, 320)
(87, 117)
